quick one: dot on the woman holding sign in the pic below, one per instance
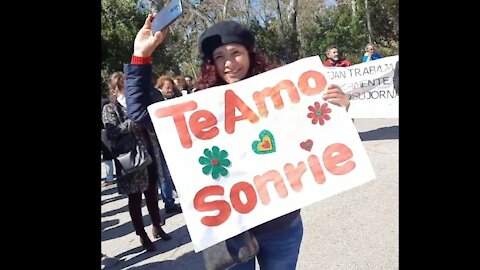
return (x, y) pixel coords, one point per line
(228, 56)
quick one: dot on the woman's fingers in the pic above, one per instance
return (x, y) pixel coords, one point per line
(160, 36)
(148, 21)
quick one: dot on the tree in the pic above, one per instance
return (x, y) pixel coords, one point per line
(369, 22)
(309, 26)
(120, 22)
(338, 25)
(334, 26)
(268, 38)
(384, 22)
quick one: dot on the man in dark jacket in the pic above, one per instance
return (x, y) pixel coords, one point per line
(396, 80)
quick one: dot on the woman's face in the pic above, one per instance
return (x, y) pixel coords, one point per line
(231, 62)
(167, 88)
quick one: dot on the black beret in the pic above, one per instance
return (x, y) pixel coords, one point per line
(224, 32)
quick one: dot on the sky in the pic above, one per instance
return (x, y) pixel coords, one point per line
(329, 3)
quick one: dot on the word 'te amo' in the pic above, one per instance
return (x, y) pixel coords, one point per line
(336, 160)
(203, 123)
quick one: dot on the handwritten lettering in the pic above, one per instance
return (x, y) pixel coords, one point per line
(370, 70)
(337, 160)
(203, 123)
(373, 94)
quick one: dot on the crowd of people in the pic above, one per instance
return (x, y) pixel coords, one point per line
(229, 55)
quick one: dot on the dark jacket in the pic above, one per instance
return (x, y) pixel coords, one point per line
(104, 102)
(396, 80)
(106, 153)
(114, 117)
(138, 78)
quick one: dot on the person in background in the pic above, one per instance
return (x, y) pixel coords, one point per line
(334, 59)
(190, 84)
(370, 53)
(164, 89)
(167, 87)
(107, 156)
(181, 84)
(116, 121)
(228, 56)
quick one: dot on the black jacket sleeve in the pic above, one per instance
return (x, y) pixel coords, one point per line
(396, 80)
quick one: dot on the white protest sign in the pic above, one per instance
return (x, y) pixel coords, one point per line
(245, 153)
(369, 86)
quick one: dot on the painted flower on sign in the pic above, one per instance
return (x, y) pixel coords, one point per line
(319, 114)
(214, 162)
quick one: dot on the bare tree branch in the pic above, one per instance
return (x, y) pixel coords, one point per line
(200, 14)
(224, 11)
(156, 5)
(286, 54)
(247, 4)
(354, 7)
(292, 14)
(369, 23)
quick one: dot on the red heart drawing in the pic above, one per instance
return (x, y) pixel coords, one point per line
(307, 145)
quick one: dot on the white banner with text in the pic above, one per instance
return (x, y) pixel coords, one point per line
(369, 86)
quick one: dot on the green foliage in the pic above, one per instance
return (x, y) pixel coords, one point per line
(178, 54)
(267, 39)
(121, 20)
(384, 17)
(335, 26)
(292, 44)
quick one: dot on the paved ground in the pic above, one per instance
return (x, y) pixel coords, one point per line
(356, 229)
